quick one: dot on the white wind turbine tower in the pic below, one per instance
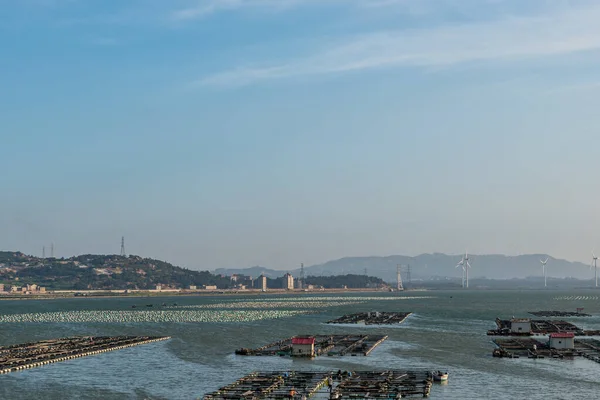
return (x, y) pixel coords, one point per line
(464, 263)
(595, 266)
(544, 269)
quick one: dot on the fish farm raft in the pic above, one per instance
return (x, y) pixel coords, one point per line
(30, 355)
(532, 348)
(318, 345)
(372, 318)
(328, 385)
(527, 327)
(559, 314)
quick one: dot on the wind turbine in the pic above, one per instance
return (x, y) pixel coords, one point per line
(544, 269)
(464, 263)
(595, 265)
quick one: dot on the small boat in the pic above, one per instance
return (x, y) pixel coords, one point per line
(440, 376)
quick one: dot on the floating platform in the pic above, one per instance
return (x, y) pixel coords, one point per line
(372, 318)
(559, 314)
(392, 384)
(31, 355)
(532, 348)
(538, 327)
(330, 345)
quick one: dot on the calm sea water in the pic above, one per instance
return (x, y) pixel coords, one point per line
(447, 331)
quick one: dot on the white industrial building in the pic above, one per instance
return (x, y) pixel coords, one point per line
(288, 281)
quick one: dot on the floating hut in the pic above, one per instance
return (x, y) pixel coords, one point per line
(562, 340)
(303, 346)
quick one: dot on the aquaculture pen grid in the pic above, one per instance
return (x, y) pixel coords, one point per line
(372, 318)
(325, 385)
(29, 355)
(331, 345)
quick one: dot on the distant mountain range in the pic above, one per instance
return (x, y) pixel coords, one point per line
(434, 266)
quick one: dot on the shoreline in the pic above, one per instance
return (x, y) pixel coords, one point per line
(186, 293)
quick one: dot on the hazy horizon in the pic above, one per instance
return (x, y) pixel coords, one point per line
(224, 134)
(472, 257)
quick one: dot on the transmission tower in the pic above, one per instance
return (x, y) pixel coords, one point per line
(399, 287)
(122, 246)
(51, 250)
(301, 275)
(44, 252)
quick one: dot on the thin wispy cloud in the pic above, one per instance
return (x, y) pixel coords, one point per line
(204, 8)
(575, 30)
(207, 7)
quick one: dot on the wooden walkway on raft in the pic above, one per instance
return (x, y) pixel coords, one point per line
(392, 384)
(532, 348)
(372, 318)
(330, 345)
(30, 355)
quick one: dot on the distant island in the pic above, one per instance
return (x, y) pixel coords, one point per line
(438, 267)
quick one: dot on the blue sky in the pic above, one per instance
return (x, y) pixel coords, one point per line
(226, 133)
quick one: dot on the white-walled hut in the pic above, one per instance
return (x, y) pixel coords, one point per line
(562, 340)
(520, 325)
(303, 346)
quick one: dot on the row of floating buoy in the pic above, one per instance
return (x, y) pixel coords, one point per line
(576, 298)
(157, 316)
(270, 304)
(79, 355)
(345, 298)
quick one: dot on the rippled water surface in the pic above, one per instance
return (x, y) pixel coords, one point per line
(446, 331)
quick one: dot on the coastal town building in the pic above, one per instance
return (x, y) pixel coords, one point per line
(26, 289)
(263, 283)
(288, 281)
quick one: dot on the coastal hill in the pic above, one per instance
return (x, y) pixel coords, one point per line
(113, 272)
(427, 270)
(100, 272)
(438, 266)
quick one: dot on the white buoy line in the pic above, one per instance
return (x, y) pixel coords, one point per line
(159, 316)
